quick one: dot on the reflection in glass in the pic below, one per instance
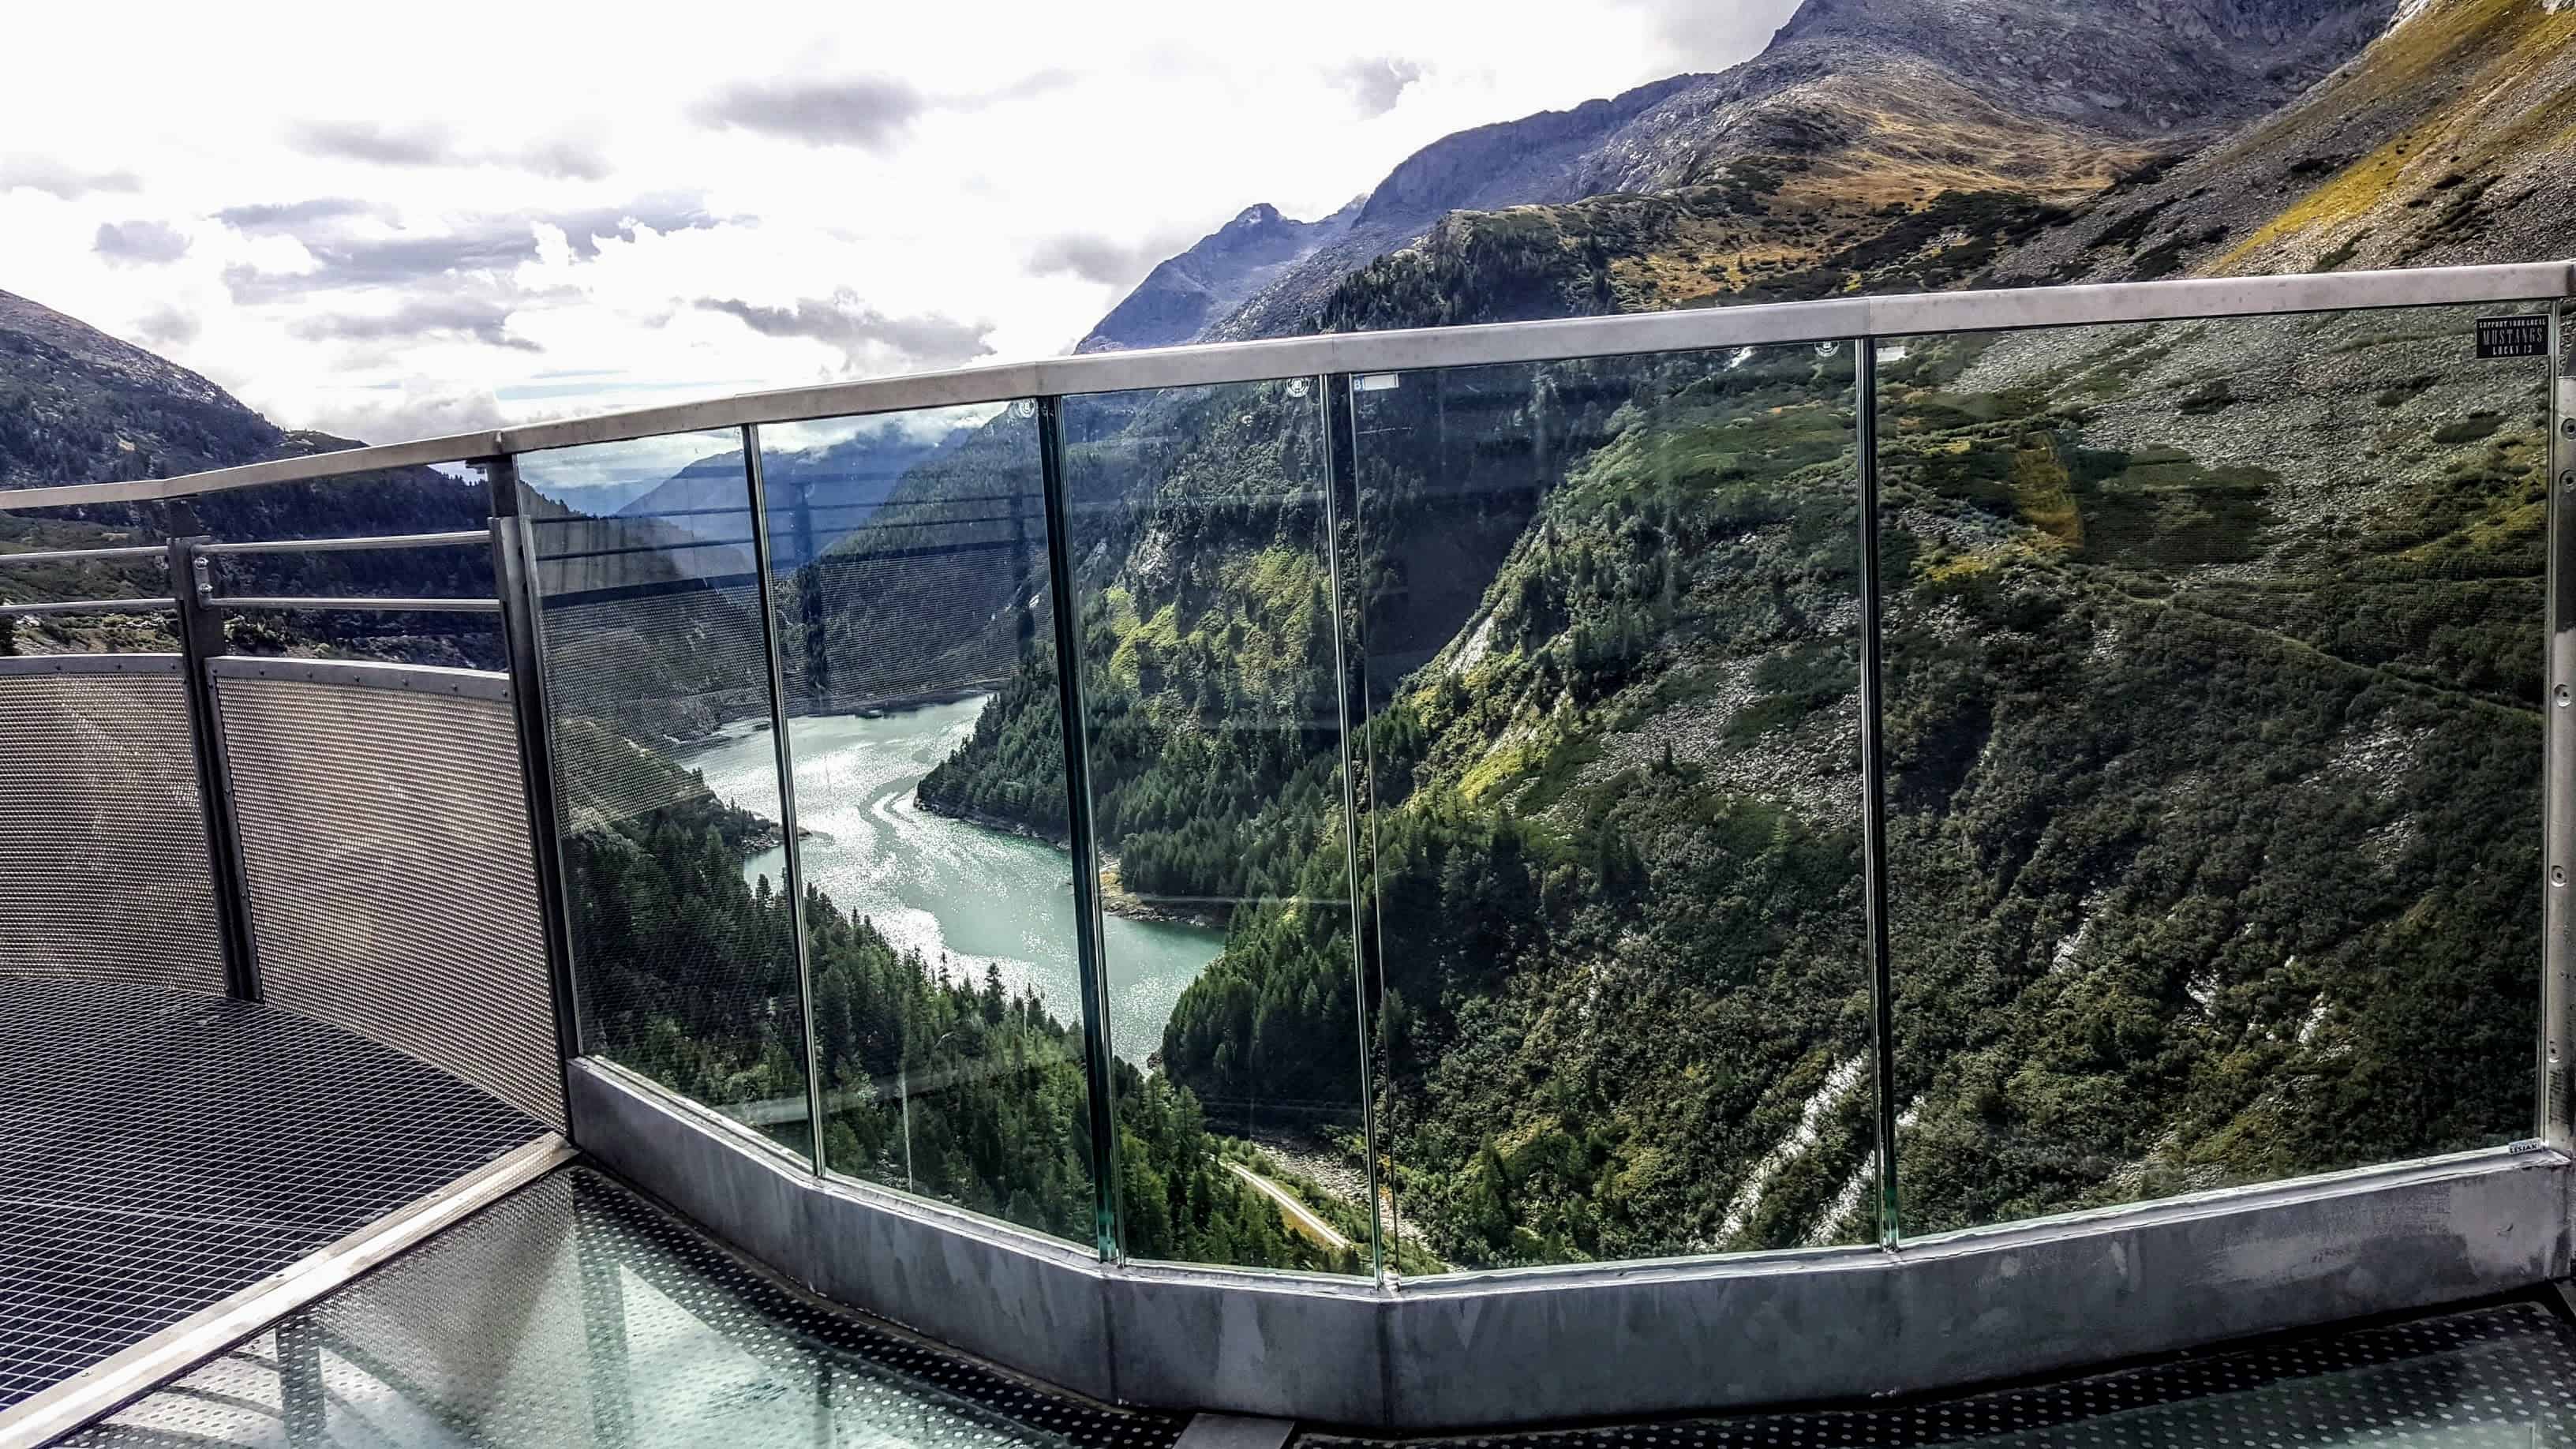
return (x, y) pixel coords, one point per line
(1209, 681)
(657, 676)
(2213, 658)
(910, 577)
(1611, 666)
(572, 1313)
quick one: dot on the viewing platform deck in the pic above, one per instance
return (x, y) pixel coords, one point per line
(1988, 867)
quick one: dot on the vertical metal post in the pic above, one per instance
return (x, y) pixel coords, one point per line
(2558, 886)
(201, 640)
(1873, 812)
(794, 867)
(514, 579)
(1350, 672)
(1079, 837)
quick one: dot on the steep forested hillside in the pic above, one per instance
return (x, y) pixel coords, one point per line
(2212, 668)
(78, 406)
(935, 1083)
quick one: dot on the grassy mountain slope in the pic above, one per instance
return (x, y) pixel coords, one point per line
(1888, 103)
(2445, 141)
(2201, 748)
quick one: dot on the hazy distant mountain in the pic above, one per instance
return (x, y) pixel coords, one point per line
(817, 496)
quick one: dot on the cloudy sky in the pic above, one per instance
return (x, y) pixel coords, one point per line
(390, 226)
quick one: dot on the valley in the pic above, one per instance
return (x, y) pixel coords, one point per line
(1477, 752)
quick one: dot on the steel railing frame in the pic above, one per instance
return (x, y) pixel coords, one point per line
(1873, 805)
(1332, 361)
(1836, 319)
(2557, 1092)
(792, 867)
(56, 607)
(53, 607)
(1081, 840)
(201, 589)
(201, 642)
(136, 551)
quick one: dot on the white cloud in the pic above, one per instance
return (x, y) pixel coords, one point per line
(384, 226)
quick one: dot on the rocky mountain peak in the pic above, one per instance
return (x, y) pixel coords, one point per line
(1872, 102)
(1535, 158)
(1181, 297)
(2128, 68)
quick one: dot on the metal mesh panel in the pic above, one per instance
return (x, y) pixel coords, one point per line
(392, 891)
(103, 869)
(161, 1149)
(2503, 1376)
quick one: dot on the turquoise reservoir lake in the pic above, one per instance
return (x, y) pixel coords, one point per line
(962, 895)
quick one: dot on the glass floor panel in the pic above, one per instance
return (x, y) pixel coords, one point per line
(575, 1313)
(2482, 1379)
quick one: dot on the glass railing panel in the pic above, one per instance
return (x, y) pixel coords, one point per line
(1199, 521)
(666, 779)
(1612, 666)
(2213, 658)
(911, 582)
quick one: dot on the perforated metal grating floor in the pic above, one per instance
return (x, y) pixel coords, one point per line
(161, 1150)
(2491, 1377)
(573, 1313)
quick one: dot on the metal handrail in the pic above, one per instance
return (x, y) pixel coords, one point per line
(1836, 319)
(85, 555)
(88, 606)
(466, 538)
(381, 606)
(473, 538)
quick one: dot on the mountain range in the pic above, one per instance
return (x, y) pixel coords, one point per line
(1875, 144)
(2209, 647)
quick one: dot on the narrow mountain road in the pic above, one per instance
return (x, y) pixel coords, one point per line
(1298, 1214)
(2116, 595)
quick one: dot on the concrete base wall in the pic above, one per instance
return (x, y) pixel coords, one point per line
(1530, 1347)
